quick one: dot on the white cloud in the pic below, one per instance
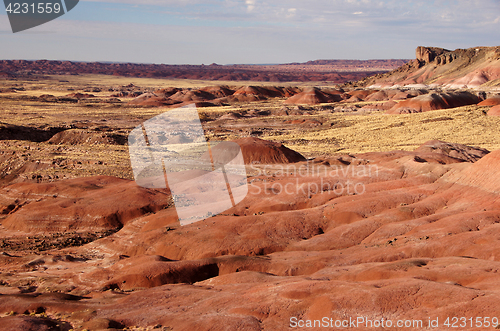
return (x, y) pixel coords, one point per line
(250, 31)
(291, 12)
(250, 5)
(377, 12)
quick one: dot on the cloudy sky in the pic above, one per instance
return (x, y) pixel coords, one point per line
(253, 31)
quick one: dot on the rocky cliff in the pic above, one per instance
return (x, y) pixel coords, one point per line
(477, 67)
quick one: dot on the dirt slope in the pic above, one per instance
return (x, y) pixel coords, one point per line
(394, 235)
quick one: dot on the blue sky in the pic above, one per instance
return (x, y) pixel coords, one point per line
(253, 31)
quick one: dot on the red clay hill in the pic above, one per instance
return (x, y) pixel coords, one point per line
(434, 101)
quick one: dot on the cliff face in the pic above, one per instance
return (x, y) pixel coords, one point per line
(428, 54)
(477, 67)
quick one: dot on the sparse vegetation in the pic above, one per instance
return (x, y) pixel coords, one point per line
(338, 132)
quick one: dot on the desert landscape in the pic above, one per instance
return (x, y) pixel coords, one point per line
(373, 197)
(339, 71)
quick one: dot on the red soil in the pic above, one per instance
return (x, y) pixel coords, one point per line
(393, 235)
(95, 204)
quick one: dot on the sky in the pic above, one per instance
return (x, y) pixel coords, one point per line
(253, 31)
